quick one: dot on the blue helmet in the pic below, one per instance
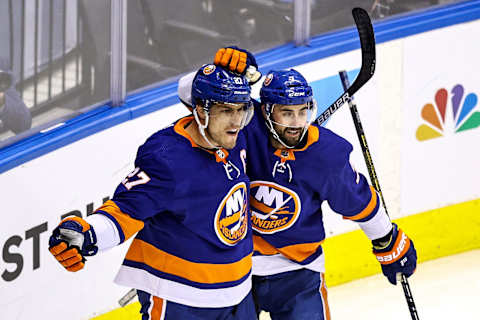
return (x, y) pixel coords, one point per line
(286, 87)
(216, 84)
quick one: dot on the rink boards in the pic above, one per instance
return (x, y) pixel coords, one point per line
(419, 112)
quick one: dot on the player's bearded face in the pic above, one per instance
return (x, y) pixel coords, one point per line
(289, 122)
(225, 122)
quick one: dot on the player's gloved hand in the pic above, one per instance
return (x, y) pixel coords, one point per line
(71, 241)
(238, 60)
(396, 254)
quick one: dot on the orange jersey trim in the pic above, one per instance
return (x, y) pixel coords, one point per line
(263, 246)
(180, 129)
(368, 209)
(312, 136)
(300, 252)
(324, 293)
(285, 154)
(157, 312)
(288, 154)
(296, 252)
(143, 252)
(128, 224)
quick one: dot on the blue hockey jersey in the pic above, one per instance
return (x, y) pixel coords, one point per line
(287, 189)
(190, 208)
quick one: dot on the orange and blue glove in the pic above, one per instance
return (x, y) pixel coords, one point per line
(396, 254)
(71, 242)
(240, 61)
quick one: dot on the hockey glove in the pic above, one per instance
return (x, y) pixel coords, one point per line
(396, 254)
(71, 241)
(238, 60)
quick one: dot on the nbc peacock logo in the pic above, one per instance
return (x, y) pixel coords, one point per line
(460, 117)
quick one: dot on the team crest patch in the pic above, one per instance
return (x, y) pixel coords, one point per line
(268, 79)
(274, 207)
(231, 219)
(209, 69)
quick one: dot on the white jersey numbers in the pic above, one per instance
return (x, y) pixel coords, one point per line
(135, 178)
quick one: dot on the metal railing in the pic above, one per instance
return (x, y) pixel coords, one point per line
(58, 73)
(47, 58)
(59, 62)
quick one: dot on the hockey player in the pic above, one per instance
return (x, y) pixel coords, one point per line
(188, 200)
(294, 166)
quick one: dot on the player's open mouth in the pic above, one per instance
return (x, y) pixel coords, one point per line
(233, 132)
(292, 132)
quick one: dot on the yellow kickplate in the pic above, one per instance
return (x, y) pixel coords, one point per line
(129, 312)
(435, 233)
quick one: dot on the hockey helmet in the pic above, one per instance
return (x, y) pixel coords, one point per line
(215, 84)
(286, 87)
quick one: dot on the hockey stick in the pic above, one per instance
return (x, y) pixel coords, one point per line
(373, 177)
(367, 44)
(132, 293)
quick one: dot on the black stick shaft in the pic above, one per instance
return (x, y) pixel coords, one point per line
(363, 140)
(374, 179)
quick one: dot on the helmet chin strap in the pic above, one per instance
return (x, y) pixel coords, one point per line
(246, 119)
(202, 128)
(275, 135)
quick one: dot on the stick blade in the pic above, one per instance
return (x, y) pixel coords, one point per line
(367, 44)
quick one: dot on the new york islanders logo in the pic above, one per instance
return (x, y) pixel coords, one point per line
(231, 219)
(268, 79)
(274, 207)
(208, 69)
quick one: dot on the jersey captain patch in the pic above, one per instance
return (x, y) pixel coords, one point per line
(274, 207)
(231, 219)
